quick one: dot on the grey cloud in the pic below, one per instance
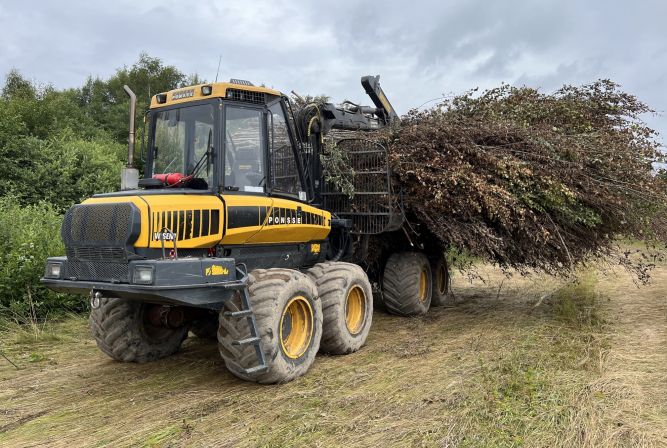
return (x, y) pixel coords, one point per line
(422, 49)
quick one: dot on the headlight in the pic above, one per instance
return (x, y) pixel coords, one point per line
(143, 275)
(53, 270)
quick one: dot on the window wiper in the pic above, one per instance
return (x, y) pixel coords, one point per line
(199, 165)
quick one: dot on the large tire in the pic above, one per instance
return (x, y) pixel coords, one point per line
(441, 282)
(279, 298)
(122, 331)
(406, 284)
(347, 306)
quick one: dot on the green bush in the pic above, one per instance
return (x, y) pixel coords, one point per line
(30, 234)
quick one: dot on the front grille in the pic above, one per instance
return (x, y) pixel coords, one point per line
(97, 271)
(95, 253)
(185, 224)
(244, 95)
(101, 232)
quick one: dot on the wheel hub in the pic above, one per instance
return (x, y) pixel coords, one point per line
(442, 280)
(355, 309)
(296, 327)
(423, 286)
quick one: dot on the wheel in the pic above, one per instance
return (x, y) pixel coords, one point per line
(347, 306)
(441, 282)
(406, 284)
(122, 331)
(288, 314)
(205, 327)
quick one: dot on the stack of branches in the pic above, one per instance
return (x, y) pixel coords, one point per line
(530, 180)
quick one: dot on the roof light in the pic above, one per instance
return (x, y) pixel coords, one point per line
(206, 90)
(241, 82)
(161, 98)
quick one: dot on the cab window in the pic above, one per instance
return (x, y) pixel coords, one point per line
(182, 141)
(244, 149)
(284, 172)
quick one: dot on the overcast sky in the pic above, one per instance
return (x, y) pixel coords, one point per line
(422, 49)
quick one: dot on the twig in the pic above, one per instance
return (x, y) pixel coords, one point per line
(549, 294)
(499, 288)
(9, 360)
(561, 240)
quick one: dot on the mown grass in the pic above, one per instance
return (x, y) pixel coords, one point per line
(522, 365)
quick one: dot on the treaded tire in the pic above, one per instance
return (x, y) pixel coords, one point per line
(440, 286)
(401, 284)
(271, 290)
(121, 332)
(335, 281)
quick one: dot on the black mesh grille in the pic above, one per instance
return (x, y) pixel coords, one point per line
(98, 271)
(244, 95)
(101, 232)
(95, 253)
(372, 209)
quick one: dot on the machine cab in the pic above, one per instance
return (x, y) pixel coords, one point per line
(223, 138)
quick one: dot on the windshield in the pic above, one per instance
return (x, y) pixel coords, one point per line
(183, 137)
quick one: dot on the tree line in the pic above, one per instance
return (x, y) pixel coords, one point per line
(57, 147)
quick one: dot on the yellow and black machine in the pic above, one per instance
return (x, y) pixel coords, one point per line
(233, 233)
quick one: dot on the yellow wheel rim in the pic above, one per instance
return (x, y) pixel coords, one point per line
(355, 310)
(296, 327)
(423, 277)
(442, 280)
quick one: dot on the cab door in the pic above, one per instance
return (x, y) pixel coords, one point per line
(290, 220)
(245, 173)
(263, 181)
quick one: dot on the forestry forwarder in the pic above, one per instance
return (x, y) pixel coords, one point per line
(227, 235)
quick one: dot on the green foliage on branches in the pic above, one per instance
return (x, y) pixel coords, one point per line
(58, 147)
(30, 234)
(107, 104)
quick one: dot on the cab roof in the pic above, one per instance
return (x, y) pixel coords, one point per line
(235, 89)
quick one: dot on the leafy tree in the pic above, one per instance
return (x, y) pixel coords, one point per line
(107, 103)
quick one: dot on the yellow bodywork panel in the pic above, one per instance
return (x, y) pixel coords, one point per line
(200, 221)
(291, 222)
(260, 220)
(194, 221)
(194, 93)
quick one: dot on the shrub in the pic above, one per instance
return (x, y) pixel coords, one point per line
(30, 234)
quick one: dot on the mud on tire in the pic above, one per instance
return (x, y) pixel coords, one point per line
(272, 294)
(347, 306)
(406, 284)
(122, 331)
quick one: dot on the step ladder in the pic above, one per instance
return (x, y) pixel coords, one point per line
(254, 339)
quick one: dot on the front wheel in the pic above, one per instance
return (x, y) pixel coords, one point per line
(123, 331)
(288, 316)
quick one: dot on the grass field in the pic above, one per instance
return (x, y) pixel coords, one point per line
(515, 362)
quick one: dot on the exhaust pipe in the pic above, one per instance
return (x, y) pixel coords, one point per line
(133, 110)
(129, 176)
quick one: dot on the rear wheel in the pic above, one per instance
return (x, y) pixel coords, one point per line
(123, 331)
(441, 282)
(407, 284)
(288, 314)
(347, 306)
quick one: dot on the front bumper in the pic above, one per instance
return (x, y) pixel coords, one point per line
(197, 282)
